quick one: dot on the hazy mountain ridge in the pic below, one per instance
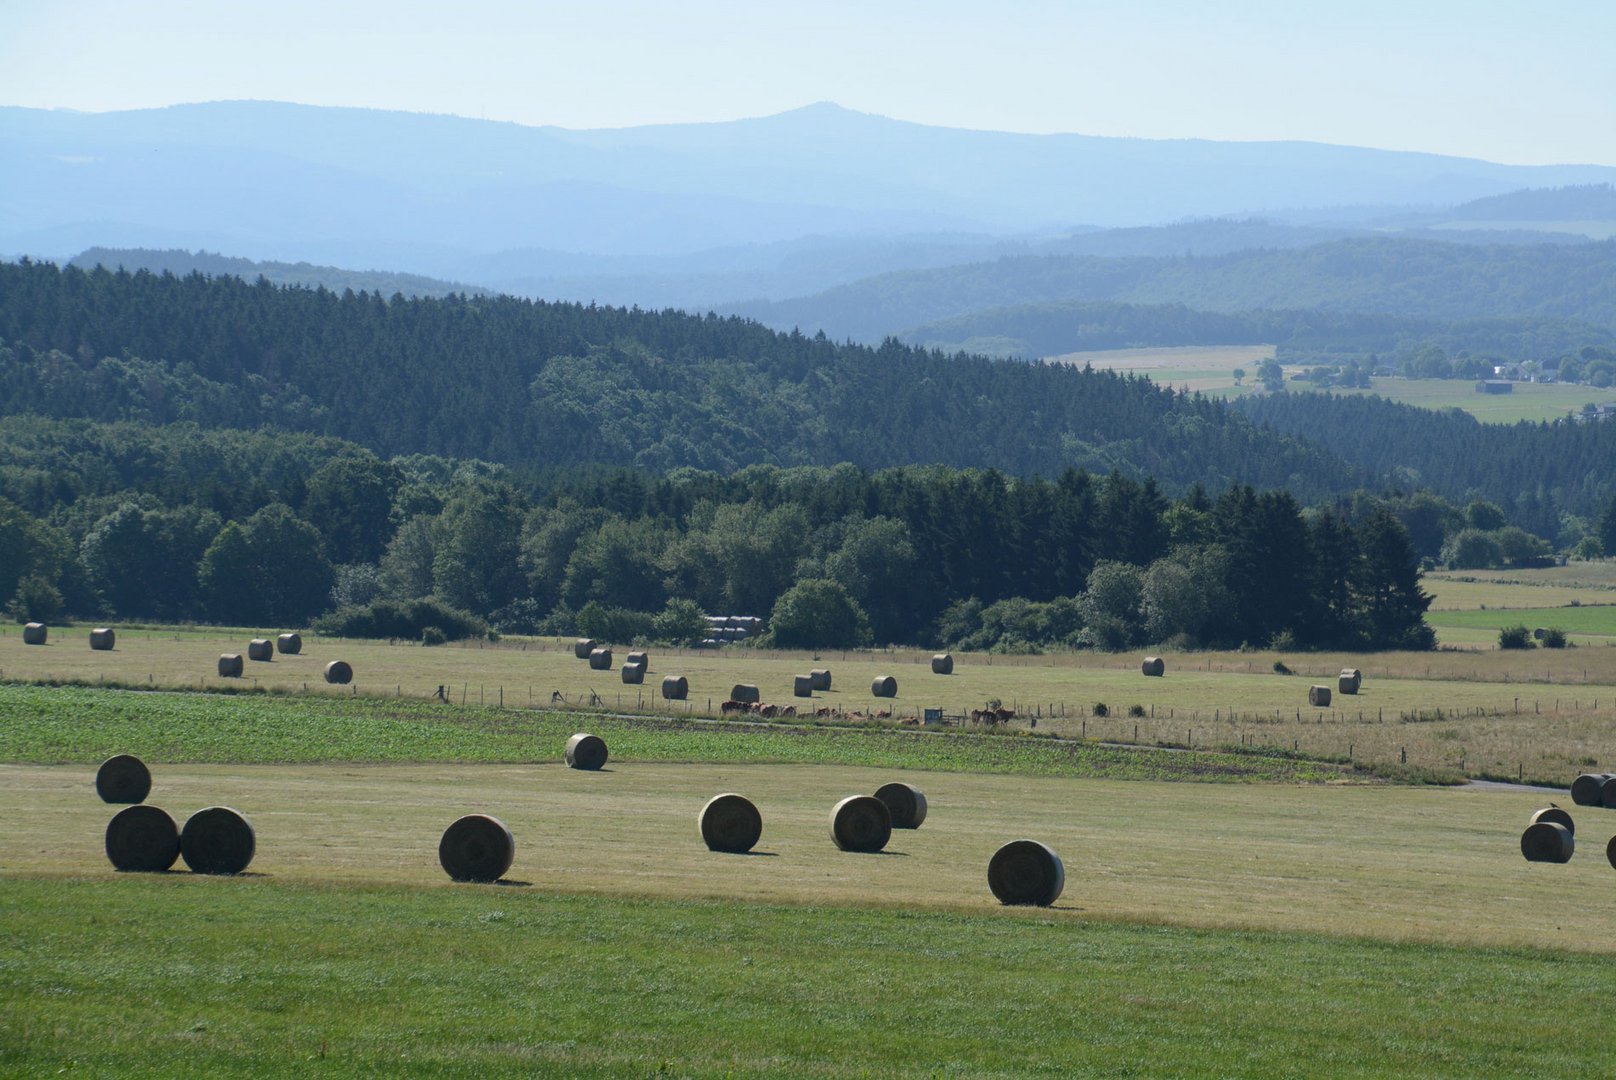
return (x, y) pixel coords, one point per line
(334, 278)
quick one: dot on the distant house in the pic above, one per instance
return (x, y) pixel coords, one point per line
(1495, 386)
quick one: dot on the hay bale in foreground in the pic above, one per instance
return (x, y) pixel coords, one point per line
(1349, 680)
(1318, 695)
(142, 840)
(102, 639)
(1607, 793)
(634, 674)
(860, 823)
(884, 686)
(802, 686)
(600, 660)
(1547, 841)
(745, 692)
(230, 665)
(217, 840)
(942, 664)
(905, 803)
(339, 673)
(476, 848)
(1026, 872)
(1153, 666)
(123, 778)
(261, 650)
(586, 752)
(583, 647)
(34, 633)
(639, 657)
(289, 644)
(1557, 815)
(675, 687)
(819, 679)
(730, 823)
(1588, 789)
(1610, 852)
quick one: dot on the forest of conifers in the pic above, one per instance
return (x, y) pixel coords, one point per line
(205, 448)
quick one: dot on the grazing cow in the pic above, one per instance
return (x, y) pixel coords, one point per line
(788, 710)
(822, 711)
(910, 720)
(769, 712)
(1005, 715)
(884, 714)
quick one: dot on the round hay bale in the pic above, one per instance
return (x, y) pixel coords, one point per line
(675, 687)
(639, 657)
(583, 647)
(1026, 872)
(1588, 789)
(1318, 695)
(339, 673)
(1547, 841)
(217, 840)
(802, 686)
(600, 660)
(1349, 680)
(102, 639)
(745, 692)
(123, 778)
(586, 752)
(261, 650)
(230, 665)
(289, 644)
(1153, 665)
(476, 848)
(1557, 815)
(142, 839)
(1610, 852)
(860, 823)
(1607, 793)
(34, 633)
(884, 686)
(634, 674)
(819, 679)
(905, 803)
(942, 664)
(730, 823)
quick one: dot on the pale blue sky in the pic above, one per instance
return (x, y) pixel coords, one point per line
(1516, 82)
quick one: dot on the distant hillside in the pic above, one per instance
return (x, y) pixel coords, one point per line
(358, 187)
(539, 385)
(1589, 202)
(181, 263)
(1415, 278)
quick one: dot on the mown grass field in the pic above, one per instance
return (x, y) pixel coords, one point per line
(1207, 368)
(1535, 402)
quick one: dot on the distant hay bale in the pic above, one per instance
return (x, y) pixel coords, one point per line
(1318, 695)
(142, 839)
(730, 823)
(1153, 665)
(1547, 841)
(861, 823)
(1349, 680)
(583, 647)
(289, 644)
(745, 692)
(123, 778)
(641, 658)
(34, 633)
(230, 665)
(942, 664)
(217, 840)
(1607, 793)
(819, 678)
(1610, 852)
(675, 687)
(884, 686)
(1556, 815)
(802, 686)
(906, 804)
(600, 659)
(102, 639)
(476, 848)
(1537, 633)
(1025, 872)
(1588, 789)
(586, 752)
(634, 674)
(339, 673)
(261, 650)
